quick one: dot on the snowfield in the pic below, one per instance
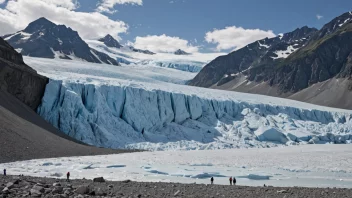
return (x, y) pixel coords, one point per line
(142, 108)
(189, 63)
(308, 165)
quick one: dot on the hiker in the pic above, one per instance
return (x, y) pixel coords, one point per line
(234, 181)
(212, 180)
(230, 180)
(143, 132)
(68, 176)
(4, 172)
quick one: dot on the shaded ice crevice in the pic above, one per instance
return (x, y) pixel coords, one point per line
(114, 116)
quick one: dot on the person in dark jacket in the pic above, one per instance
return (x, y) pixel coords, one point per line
(68, 176)
(212, 180)
(4, 172)
(234, 181)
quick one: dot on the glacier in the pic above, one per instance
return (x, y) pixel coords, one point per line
(150, 108)
(125, 116)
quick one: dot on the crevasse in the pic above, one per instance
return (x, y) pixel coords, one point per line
(115, 116)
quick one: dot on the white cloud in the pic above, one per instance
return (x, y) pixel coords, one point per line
(19, 13)
(235, 37)
(108, 5)
(319, 16)
(163, 43)
(2, 1)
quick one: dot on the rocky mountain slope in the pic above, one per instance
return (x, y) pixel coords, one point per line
(109, 41)
(24, 134)
(43, 38)
(293, 65)
(181, 52)
(19, 79)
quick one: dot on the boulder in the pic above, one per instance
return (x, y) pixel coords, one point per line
(35, 193)
(57, 190)
(9, 185)
(83, 190)
(126, 181)
(38, 188)
(99, 179)
(5, 190)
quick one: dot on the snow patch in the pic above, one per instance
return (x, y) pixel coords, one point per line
(263, 45)
(284, 53)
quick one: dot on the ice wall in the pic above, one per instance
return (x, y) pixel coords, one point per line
(115, 116)
(190, 66)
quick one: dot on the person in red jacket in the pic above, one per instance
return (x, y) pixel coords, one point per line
(68, 176)
(230, 180)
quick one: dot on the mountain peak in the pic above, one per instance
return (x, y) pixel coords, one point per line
(110, 41)
(181, 52)
(39, 24)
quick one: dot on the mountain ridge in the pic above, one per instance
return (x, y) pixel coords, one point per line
(44, 39)
(288, 66)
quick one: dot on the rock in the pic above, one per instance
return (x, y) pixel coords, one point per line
(138, 196)
(57, 190)
(126, 181)
(5, 190)
(110, 186)
(64, 189)
(68, 192)
(79, 196)
(282, 191)
(100, 192)
(35, 193)
(56, 184)
(99, 179)
(17, 181)
(9, 185)
(83, 190)
(47, 190)
(59, 196)
(177, 192)
(39, 188)
(69, 185)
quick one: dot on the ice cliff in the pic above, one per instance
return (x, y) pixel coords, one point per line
(188, 66)
(115, 115)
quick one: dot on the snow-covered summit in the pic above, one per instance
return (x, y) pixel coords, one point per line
(43, 38)
(181, 52)
(110, 41)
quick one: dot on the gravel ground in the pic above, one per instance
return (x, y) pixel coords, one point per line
(47, 187)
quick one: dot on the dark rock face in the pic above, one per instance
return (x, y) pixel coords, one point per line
(18, 79)
(290, 63)
(142, 51)
(109, 41)
(44, 39)
(181, 52)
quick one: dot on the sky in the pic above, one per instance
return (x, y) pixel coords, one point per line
(167, 25)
